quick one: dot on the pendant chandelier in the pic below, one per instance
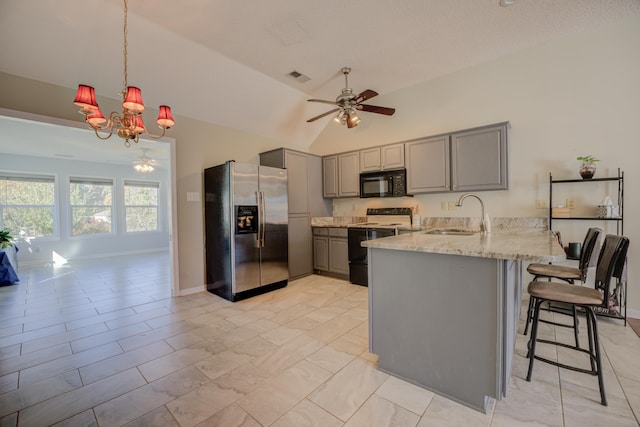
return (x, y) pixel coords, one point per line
(128, 125)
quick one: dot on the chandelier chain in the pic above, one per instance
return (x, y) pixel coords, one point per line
(124, 47)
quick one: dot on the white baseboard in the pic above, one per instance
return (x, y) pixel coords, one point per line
(634, 314)
(191, 291)
(33, 263)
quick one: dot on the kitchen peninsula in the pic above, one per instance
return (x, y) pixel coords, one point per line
(444, 309)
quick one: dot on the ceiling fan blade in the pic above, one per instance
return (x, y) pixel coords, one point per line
(376, 109)
(322, 115)
(367, 94)
(323, 101)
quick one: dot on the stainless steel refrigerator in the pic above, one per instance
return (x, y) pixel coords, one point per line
(246, 229)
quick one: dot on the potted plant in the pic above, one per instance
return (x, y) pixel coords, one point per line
(6, 239)
(588, 167)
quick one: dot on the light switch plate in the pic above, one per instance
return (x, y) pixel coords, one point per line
(193, 196)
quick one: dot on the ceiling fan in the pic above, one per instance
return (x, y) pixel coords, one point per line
(348, 104)
(144, 163)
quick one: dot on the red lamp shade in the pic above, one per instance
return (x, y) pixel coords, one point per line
(139, 128)
(96, 118)
(133, 100)
(165, 118)
(86, 98)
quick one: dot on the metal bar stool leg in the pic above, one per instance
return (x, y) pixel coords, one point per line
(596, 343)
(575, 325)
(532, 339)
(529, 316)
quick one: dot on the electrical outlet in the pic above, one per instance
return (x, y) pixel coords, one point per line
(443, 206)
(571, 204)
(452, 206)
(541, 204)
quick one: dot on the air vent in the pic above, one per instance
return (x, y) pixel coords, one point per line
(299, 76)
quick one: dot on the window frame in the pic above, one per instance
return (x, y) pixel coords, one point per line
(147, 184)
(96, 181)
(55, 207)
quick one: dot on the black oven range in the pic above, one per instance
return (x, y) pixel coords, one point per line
(381, 222)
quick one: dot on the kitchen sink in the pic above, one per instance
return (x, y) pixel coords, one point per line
(451, 231)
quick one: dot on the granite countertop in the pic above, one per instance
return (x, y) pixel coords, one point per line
(349, 221)
(523, 245)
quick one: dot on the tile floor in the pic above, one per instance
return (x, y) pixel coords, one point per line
(103, 343)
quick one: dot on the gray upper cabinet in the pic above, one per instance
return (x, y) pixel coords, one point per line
(479, 159)
(330, 176)
(427, 163)
(341, 175)
(382, 158)
(349, 174)
(296, 164)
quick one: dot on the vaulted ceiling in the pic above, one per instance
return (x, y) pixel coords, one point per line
(227, 62)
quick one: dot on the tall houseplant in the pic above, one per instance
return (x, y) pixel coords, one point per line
(588, 166)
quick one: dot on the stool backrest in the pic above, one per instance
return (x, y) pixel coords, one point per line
(588, 246)
(610, 262)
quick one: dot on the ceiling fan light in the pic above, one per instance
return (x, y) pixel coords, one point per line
(339, 118)
(143, 167)
(353, 118)
(165, 118)
(133, 100)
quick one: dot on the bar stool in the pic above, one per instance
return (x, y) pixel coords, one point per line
(610, 264)
(568, 274)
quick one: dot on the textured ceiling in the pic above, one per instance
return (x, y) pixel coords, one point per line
(227, 62)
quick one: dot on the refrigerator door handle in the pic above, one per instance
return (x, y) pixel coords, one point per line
(260, 213)
(263, 220)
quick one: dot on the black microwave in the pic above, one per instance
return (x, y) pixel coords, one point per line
(391, 183)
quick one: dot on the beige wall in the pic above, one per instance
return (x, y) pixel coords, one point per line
(576, 96)
(198, 145)
(579, 95)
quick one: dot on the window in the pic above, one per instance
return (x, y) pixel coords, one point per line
(91, 206)
(141, 206)
(27, 205)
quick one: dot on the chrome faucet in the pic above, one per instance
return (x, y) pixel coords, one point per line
(484, 225)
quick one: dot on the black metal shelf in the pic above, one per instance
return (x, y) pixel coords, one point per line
(558, 181)
(590, 218)
(620, 291)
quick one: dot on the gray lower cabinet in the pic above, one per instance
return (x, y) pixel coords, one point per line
(330, 251)
(338, 251)
(305, 201)
(321, 249)
(300, 259)
(479, 159)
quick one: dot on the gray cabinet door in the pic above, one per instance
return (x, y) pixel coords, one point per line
(349, 174)
(321, 253)
(370, 159)
(318, 205)
(299, 246)
(296, 164)
(392, 156)
(338, 255)
(479, 159)
(427, 164)
(330, 176)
